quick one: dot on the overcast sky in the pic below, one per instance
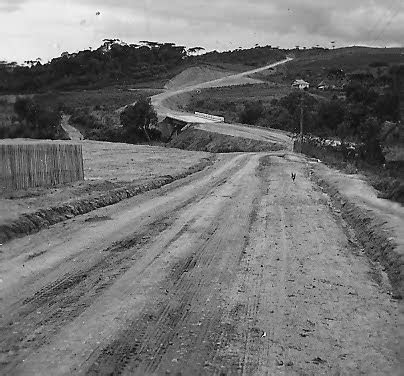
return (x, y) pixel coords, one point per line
(46, 28)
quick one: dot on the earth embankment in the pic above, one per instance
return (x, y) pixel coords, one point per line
(201, 140)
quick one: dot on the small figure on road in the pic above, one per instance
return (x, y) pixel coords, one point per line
(293, 176)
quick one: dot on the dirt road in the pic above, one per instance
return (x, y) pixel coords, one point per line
(166, 106)
(235, 270)
(73, 133)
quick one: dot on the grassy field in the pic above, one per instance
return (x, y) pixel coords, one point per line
(106, 166)
(228, 101)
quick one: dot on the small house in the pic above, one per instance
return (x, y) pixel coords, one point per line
(300, 84)
(323, 86)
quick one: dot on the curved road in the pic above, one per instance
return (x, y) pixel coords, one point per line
(235, 270)
(160, 103)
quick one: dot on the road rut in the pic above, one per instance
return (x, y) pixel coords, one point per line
(234, 270)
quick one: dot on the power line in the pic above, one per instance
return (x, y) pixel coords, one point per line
(394, 15)
(378, 22)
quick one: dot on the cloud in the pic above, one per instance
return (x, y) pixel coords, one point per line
(347, 21)
(213, 24)
(10, 5)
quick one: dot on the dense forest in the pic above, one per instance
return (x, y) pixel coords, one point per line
(116, 62)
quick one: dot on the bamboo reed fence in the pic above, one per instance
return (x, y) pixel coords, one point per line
(39, 165)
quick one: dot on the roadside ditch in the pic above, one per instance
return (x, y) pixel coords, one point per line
(29, 223)
(373, 231)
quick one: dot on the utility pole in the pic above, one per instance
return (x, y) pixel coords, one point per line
(301, 122)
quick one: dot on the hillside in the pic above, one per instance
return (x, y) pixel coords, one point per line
(336, 64)
(118, 63)
(195, 75)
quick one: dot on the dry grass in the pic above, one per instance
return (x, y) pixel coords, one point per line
(229, 101)
(106, 166)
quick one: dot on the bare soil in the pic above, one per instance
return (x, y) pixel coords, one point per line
(196, 75)
(236, 270)
(379, 223)
(212, 138)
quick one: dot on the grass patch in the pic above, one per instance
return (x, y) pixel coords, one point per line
(229, 101)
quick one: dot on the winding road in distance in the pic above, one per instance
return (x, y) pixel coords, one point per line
(233, 270)
(162, 106)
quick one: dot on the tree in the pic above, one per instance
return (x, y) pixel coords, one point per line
(139, 117)
(330, 115)
(37, 122)
(370, 136)
(251, 113)
(195, 50)
(387, 107)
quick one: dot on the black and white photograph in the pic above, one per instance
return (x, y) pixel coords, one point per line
(201, 187)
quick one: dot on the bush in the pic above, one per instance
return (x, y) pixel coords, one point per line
(34, 122)
(251, 113)
(138, 121)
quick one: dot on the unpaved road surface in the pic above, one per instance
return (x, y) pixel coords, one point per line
(73, 133)
(235, 270)
(166, 106)
(254, 133)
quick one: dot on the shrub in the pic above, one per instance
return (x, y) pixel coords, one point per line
(251, 113)
(34, 122)
(138, 120)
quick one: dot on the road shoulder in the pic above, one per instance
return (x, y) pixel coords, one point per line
(378, 223)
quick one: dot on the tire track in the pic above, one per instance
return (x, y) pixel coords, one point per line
(189, 315)
(33, 320)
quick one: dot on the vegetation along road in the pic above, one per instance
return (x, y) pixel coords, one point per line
(165, 106)
(233, 270)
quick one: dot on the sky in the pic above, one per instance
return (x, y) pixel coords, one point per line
(46, 28)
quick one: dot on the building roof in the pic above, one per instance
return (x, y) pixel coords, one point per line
(300, 82)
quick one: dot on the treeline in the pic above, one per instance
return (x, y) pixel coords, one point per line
(116, 62)
(113, 62)
(34, 118)
(31, 120)
(256, 56)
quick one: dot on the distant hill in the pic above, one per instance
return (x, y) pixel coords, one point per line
(113, 62)
(118, 63)
(316, 66)
(243, 58)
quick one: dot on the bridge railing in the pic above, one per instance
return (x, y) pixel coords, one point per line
(213, 118)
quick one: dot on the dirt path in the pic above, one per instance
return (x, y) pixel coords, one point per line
(73, 133)
(234, 270)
